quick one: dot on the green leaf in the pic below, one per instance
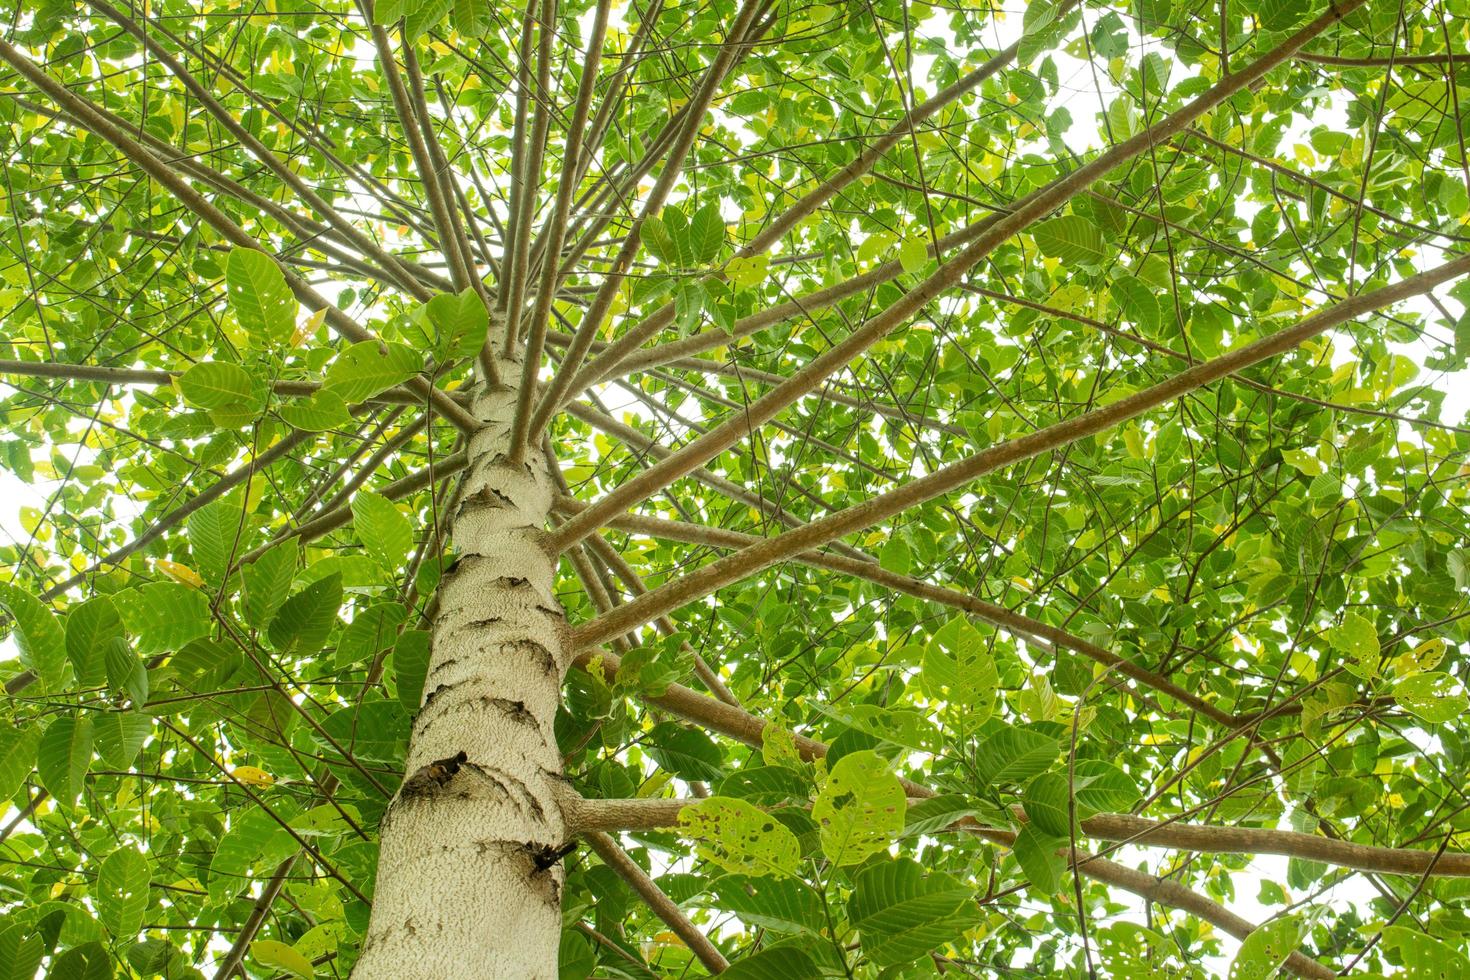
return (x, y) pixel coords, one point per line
(1036, 852)
(306, 619)
(1434, 697)
(472, 18)
(1357, 638)
(17, 756)
(422, 16)
(1266, 948)
(706, 235)
(410, 665)
(938, 812)
(1281, 15)
(266, 582)
(255, 842)
(1046, 802)
(860, 809)
(381, 527)
(740, 838)
(263, 303)
(1138, 303)
(460, 322)
(126, 672)
(895, 556)
(322, 411)
(1072, 239)
(215, 534)
(90, 629)
(39, 636)
(1425, 957)
(90, 961)
(685, 752)
(903, 910)
(279, 956)
(121, 893)
(576, 956)
(778, 963)
(371, 631)
(778, 904)
(63, 756)
(218, 386)
(913, 255)
(370, 367)
(1015, 755)
(1102, 787)
(20, 954)
(163, 616)
(119, 736)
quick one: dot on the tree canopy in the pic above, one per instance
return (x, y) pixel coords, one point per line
(1011, 487)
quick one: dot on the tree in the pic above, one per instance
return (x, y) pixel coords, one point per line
(787, 490)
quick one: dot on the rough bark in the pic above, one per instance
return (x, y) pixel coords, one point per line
(469, 881)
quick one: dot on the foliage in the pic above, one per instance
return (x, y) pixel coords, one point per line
(1242, 607)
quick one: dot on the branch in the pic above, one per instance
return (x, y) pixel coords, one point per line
(612, 281)
(389, 263)
(594, 815)
(616, 858)
(652, 448)
(1007, 619)
(747, 728)
(610, 359)
(140, 376)
(553, 237)
(742, 564)
(87, 114)
(1027, 211)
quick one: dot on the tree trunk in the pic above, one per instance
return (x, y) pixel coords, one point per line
(468, 879)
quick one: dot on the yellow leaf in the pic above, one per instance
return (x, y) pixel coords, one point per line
(252, 776)
(179, 573)
(268, 952)
(312, 325)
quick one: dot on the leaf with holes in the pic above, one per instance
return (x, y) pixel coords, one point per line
(1357, 639)
(260, 297)
(121, 893)
(740, 838)
(1435, 697)
(860, 808)
(1266, 948)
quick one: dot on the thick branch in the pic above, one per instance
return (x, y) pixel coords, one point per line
(590, 815)
(747, 728)
(1027, 211)
(747, 562)
(1007, 619)
(616, 858)
(612, 281)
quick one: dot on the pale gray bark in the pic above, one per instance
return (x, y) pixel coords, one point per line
(468, 879)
